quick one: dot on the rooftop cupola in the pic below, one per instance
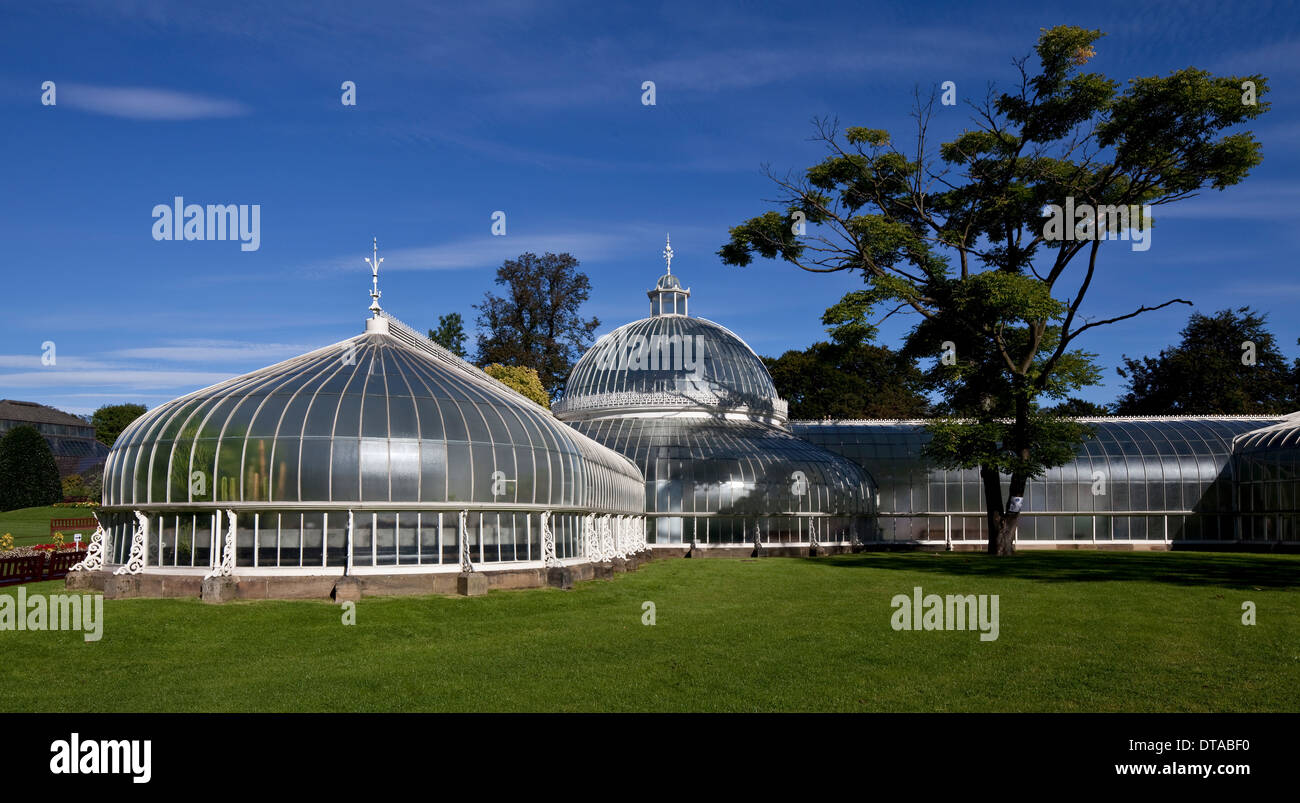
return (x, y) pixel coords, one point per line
(668, 296)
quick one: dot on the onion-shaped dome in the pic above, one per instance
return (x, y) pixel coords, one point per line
(383, 417)
(671, 362)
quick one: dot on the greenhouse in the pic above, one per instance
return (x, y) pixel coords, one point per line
(1153, 481)
(1267, 464)
(379, 454)
(695, 409)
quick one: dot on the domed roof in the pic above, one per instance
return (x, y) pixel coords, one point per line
(668, 282)
(670, 362)
(727, 467)
(386, 416)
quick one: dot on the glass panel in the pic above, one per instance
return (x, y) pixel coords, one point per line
(429, 552)
(290, 539)
(407, 546)
(386, 539)
(267, 536)
(312, 538)
(337, 538)
(362, 531)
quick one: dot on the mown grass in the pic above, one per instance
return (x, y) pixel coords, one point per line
(31, 525)
(1078, 632)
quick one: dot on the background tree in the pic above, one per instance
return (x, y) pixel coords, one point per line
(1210, 372)
(537, 324)
(86, 487)
(450, 333)
(111, 419)
(960, 238)
(28, 474)
(848, 380)
(524, 380)
(1074, 406)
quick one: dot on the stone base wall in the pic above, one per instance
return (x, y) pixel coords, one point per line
(326, 587)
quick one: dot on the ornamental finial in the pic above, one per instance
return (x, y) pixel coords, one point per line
(374, 262)
(668, 253)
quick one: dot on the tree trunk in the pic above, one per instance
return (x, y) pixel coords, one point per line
(1003, 520)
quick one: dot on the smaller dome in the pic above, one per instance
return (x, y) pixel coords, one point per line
(668, 282)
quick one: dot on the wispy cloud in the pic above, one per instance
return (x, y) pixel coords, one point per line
(1257, 200)
(488, 251)
(145, 103)
(214, 351)
(139, 379)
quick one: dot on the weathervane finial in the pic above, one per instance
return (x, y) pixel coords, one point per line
(374, 262)
(668, 253)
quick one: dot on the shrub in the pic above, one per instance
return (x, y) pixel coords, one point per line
(28, 474)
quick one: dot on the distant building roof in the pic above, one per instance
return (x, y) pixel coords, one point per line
(11, 410)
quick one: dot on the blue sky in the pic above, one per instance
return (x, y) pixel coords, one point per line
(533, 109)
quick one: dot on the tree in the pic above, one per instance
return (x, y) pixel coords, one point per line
(86, 487)
(848, 380)
(1074, 406)
(29, 476)
(524, 380)
(1225, 363)
(537, 324)
(450, 333)
(111, 419)
(1003, 321)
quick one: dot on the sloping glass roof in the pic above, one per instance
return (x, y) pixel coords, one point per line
(739, 467)
(386, 416)
(1154, 463)
(1285, 434)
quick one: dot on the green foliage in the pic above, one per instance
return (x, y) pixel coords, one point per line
(29, 476)
(1205, 374)
(995, 443)
(537, 324)
(522, 379)
(957, 237)
(87, 487)
(111, 419)
(1078, 407)
(450, 333)
(848, 380)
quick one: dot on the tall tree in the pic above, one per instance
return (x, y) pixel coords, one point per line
(1225, 363)
(111, 419)
(29, 476)
(450, 333)
(1074, 406)
(848, 380)
(537, 323)
(518, 378)
(1003, 321)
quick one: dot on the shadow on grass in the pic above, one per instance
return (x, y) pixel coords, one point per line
(1179, 568)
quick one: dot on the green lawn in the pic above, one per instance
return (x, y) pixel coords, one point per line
(1079, 631)
(31, 525)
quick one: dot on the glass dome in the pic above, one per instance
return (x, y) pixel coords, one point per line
(383, 449)
(376, 418)
(717, 480)
(695, 408)
(671, 362)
